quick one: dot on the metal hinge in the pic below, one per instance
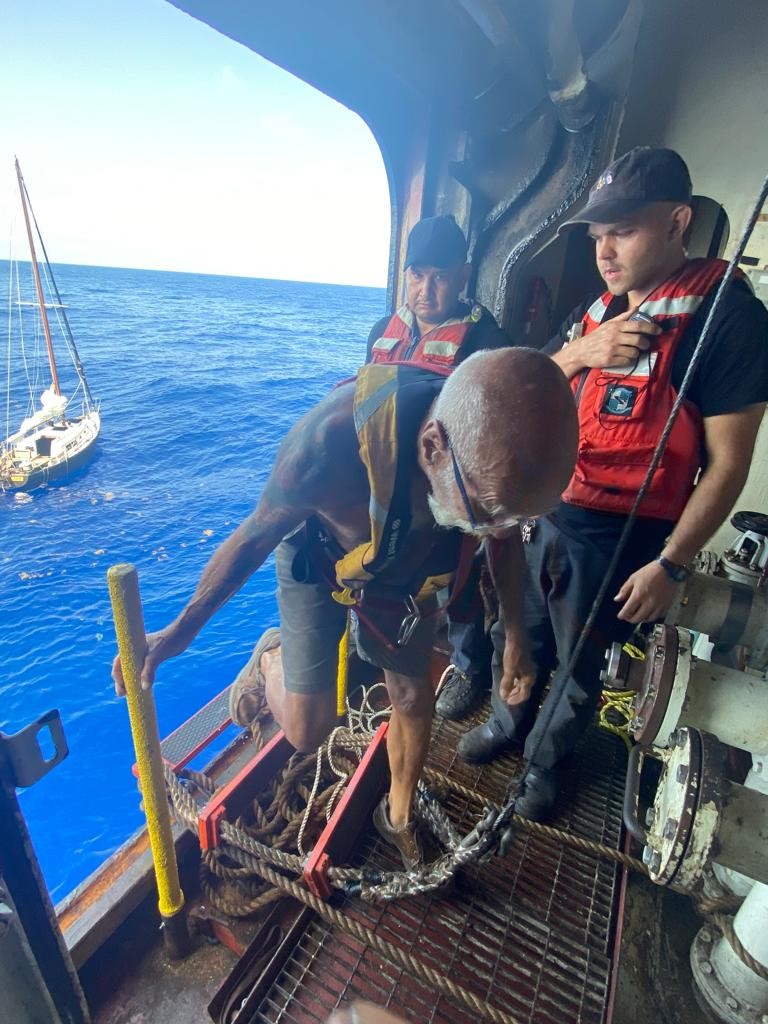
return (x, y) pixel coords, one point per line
(22, 761)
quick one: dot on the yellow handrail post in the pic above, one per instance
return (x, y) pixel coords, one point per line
(341, 675)
(123, 582)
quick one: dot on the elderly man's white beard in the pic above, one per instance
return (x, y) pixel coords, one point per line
(445, 518)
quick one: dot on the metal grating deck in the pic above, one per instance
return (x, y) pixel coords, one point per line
(531, 934)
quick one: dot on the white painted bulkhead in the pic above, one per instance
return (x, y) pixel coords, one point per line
(700, 86)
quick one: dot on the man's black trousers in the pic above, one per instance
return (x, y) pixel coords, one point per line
(564, 575)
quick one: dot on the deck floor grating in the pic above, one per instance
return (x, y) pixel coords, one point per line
(531, 934)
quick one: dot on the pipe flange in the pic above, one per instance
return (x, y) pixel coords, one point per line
(686, 812)
(621, 670)
(662, 677)
(716, 996)
(615, 672)
(670, 820)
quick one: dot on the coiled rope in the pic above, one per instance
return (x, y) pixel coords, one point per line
(240, 878)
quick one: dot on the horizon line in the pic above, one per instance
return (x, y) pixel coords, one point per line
(202, 273)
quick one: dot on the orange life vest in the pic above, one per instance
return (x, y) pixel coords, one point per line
(623, 411)
(440, 346)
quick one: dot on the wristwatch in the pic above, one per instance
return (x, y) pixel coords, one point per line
(679, 573)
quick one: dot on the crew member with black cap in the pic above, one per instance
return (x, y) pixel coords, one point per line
(626, 353)
(436, 328)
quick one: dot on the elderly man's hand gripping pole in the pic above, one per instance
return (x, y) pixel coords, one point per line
(506, 561)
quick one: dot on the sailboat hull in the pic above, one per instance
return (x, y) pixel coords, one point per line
(49, 454)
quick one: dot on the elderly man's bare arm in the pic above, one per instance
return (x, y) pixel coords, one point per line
(506, 561)
(316, 465)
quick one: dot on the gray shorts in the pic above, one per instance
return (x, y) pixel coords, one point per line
(312, 624)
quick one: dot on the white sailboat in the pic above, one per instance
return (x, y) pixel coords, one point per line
(51, 441)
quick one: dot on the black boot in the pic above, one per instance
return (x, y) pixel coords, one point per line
(459, 694)
(484, 742)
(539, 793)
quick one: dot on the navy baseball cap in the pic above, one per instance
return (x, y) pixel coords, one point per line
(436, 242)
(646, 174)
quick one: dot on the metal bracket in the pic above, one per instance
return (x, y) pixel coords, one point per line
(351, 814)
(232, 799)
(21, 755)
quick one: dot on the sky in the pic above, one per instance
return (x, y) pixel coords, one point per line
(148, 140)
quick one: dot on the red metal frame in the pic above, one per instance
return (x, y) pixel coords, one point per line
(339, 835)
(618, 933)
(352, 812)
(232, 799)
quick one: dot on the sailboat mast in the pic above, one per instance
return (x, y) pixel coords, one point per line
(38, 284)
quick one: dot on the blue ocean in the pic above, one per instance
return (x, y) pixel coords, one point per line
(199, 378)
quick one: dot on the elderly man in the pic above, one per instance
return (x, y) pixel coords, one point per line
(361, 489)
(626, 354)
(435, 327)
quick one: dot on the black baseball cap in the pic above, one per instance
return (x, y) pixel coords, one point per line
(436, 242)
(646, 174)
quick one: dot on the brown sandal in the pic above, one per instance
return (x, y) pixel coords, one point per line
(246, 694)
(405, 838)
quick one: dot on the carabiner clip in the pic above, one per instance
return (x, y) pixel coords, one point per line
(410, 621)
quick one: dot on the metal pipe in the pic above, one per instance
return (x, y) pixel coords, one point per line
(742, 833)
(123, 585)
(569, 88)
(744, 986)
(728, 612)
(728, 703)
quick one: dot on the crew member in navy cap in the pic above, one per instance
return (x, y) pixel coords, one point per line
(436, 328)
(625, 353)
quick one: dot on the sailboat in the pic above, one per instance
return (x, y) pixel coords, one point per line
(51, 441)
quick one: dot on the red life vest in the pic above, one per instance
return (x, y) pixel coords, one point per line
(439, 347)
(623, 411)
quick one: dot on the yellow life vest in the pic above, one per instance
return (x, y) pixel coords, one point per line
(390, 404)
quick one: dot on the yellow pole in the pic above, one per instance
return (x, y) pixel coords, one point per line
(341, 677)
(123, 583)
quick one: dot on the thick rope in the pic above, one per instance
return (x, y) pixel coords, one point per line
(253, 894)
(279, 821)
(396, 956)
(536, 827)
(244, 894)
(725, 924)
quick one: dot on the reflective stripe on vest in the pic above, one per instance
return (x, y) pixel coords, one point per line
(385, 344)
(441, 348)
(441, 345)
(623, 411)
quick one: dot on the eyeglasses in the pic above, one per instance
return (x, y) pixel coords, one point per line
(477, 527)
(460, 482)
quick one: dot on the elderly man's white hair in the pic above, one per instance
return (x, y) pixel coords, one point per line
(512, 405)
(464, 409)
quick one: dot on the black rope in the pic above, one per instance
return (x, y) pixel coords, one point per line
(505, 814)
